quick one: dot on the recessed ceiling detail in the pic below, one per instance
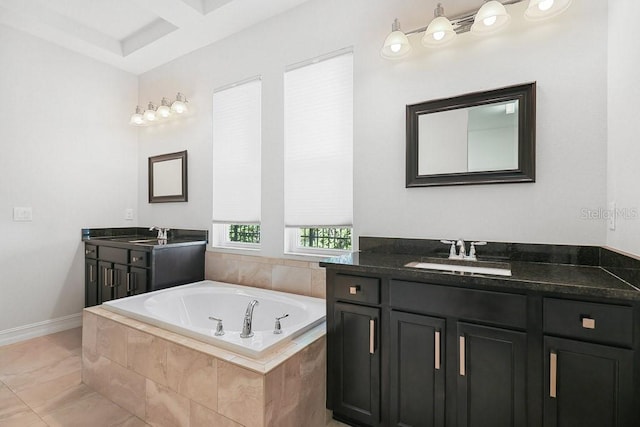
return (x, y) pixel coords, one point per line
(137, 35)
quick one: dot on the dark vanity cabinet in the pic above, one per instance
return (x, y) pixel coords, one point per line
(588, 365)
(412, 353)
(117, 267)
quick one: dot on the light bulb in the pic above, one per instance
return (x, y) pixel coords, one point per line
(438, 35)
(395, 48)
(164, 110)
(489, 21)
(545, 5)
(137, 118)
(179, 106)
(150, 112)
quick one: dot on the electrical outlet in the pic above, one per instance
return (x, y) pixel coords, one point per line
(22, 214)
(128, 214)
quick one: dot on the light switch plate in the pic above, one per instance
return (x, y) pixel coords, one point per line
(22, 214)
(128, 214)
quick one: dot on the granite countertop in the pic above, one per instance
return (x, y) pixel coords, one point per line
(143, 238)
(577, 280)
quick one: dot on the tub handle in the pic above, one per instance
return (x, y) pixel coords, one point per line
(277, 329)
(219, 328)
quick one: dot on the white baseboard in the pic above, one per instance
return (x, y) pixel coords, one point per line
(46, 327)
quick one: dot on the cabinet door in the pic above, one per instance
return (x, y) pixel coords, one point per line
(137, 281)
(417, 370)
(90, 282)
(120, 278)
(491, 377)
(105, 282)
(587, 385)
(356, 355)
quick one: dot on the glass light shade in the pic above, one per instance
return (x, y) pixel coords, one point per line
(150, 113)
(137, 118)
(544, 9)
(396, 45)
(164, 110)
(439, 33)
(491, 17)
(179, 106)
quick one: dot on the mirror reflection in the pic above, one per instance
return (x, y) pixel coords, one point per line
(482, 138)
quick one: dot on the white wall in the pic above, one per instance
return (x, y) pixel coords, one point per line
(566, 56)
(623, 118)
(67, 152)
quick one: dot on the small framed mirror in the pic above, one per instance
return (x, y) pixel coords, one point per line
(478, 138)
(168, 178)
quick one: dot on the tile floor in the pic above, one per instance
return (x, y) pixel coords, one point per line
(41, 385)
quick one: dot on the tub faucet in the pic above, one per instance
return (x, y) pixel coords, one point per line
(248, 318)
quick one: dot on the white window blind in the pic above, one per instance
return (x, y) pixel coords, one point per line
(236, 153)
(318, 144)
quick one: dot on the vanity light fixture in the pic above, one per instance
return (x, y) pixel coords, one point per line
(154, 113)
(491, 17)
(150, 112)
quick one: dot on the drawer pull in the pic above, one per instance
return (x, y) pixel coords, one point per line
(588, 323)
(462, 354)
(372, 336)
(89, 251)
(553, 371)
(354, 289)
(437, 349)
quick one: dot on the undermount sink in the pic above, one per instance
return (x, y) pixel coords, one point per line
(463, 266)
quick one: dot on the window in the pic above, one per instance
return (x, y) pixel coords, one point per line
(318, 154)
(236, 165)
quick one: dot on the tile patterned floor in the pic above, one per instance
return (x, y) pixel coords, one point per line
(41, 385)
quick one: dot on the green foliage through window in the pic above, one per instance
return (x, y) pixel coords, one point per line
(325, 238)
(244, 233)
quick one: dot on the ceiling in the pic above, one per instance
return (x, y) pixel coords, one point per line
(137, 35)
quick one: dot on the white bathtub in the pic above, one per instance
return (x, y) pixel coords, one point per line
(186, 310)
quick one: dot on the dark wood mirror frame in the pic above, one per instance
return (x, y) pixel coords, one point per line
(179, 197)
(526, 96)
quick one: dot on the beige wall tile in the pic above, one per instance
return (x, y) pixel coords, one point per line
(240, 394)
(254, 274)
(296, 263)
(205, 417)
(121, 385)
(111, 340)
(220, 269)
(165, 408)
(291, 279)
(319, 283)
(147, 355)
(193, 374)
(89, 331)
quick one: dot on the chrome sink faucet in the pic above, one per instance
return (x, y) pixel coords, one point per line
(462, 253)
(162, 232)
(248, 319)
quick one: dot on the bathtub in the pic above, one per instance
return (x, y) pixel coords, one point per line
(186, 310)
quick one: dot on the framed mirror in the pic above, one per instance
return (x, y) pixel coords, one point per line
(168, 178)
(478, 138)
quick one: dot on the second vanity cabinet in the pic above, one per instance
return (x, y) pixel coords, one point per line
(412, 353)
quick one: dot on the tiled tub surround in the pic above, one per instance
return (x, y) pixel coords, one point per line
(297, 277)
(170, 380)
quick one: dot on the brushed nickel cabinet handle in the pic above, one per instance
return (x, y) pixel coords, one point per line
(437, 349)
(372, 336)
(588, 323)
(354, 289)
(128, 282)
(553, 373)
(462, 355)
(111, 278)
(105, 277)
(89, 251)
(90, 272)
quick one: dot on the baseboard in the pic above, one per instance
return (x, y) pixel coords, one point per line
(46, 327)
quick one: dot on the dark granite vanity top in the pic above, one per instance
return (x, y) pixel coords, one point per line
(573, 270)
(143, 238)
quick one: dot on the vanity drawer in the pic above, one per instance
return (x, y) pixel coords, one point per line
(357, 288)
(466, 304)
(90, 251)
(117, 255)
(612, 324)
(139, 258)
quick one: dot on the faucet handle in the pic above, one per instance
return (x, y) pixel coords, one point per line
(472, 250)
(277, 329)
(452, 249)
(479, 243)
(219, 328)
